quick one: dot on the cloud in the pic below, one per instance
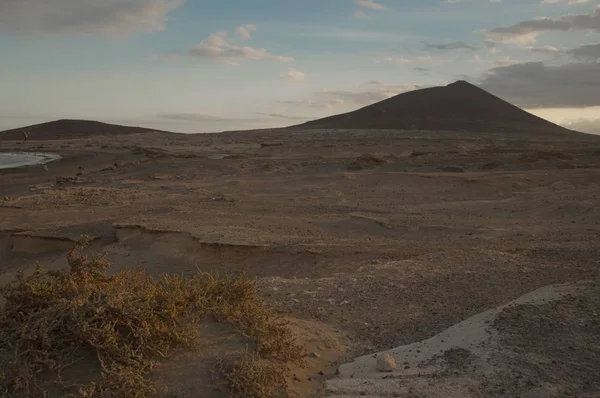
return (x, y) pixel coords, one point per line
(526, 32)
(413, 60)
(545, 50)
(536, 85)
(460, 1)
(196, 117)
(368, 97)
(504, 61)
(356, 97)
(455, 45)
(106, 18)
(200, 117)
(363, 35)
(370, 4)
(218, 48)
(360, 15)
(282, 116)
(570, 2)
(294, 75)
(244, 31)
(316, 103)
(329, 99)
(591, 126)
(587, 51)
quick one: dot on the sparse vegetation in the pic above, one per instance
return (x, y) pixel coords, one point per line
(491, 165)
(367, 161)
(418, 153)
(453, 169)
(547, 155)
(127, 322)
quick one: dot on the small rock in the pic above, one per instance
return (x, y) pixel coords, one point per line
(386, 363)
(315, 354)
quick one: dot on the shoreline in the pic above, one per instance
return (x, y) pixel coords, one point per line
(26, 159)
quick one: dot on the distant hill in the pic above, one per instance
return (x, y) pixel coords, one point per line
(66, 128)
(459, 106)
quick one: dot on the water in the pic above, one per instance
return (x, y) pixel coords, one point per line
(10, 160)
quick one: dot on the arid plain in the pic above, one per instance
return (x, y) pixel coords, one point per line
(367, 239)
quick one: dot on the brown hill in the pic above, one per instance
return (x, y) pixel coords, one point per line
(66, 128)
(456, 107)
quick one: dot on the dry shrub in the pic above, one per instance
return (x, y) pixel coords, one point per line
(491, 165)
(367, 161)
(248, 375)
(127, 321)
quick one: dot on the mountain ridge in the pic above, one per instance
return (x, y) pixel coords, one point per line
(72, 128)
(458, 106)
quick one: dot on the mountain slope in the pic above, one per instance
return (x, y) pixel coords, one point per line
(456, 107)
(66, 128)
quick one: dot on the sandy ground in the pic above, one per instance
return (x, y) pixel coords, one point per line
(494, 353)
(372, 254)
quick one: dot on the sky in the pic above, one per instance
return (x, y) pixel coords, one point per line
(198, 66)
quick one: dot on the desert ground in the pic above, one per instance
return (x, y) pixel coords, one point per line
(367, 240)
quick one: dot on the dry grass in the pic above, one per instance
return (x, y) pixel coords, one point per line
(127, 322)
(248, 375)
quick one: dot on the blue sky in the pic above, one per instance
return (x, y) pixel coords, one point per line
(203, 66)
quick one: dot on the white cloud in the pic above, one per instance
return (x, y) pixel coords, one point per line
(526, 32)
(370, 4)
(545, 50)
(245, 31)
(218, 48)
(294, 75)
(107, 18)
(418, 59)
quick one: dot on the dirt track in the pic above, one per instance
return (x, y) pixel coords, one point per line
(386, 254)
